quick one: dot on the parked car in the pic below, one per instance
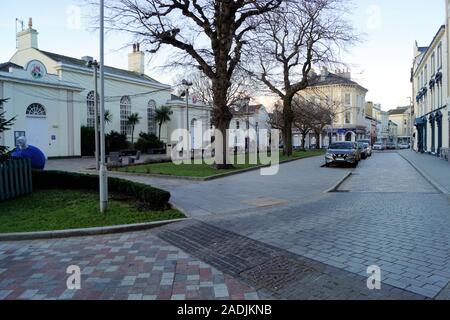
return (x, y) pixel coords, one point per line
(391, 146)
(379, 146)
(363, 150)
(403, 146)
(367, 149)
(343, 153)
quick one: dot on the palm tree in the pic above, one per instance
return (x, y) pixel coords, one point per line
(133, 120)
(162, 115)
(108, 116)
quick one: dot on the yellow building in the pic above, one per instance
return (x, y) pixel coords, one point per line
(347, 98)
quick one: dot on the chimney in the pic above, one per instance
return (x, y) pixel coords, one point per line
(28, 38)
(136, 60)
(324, 72)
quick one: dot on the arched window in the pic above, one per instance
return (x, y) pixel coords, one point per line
(90, 103)
(36, 110)
(125, 112)
(151, 120)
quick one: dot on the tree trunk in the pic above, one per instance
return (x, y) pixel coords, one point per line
(159, 131)
(303, 141)
(221, 119)
(318, 136)
(288, 116)
(132, 134)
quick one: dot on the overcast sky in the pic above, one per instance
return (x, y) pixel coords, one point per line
(381, 63)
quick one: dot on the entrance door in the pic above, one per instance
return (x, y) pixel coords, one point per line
(37, 133)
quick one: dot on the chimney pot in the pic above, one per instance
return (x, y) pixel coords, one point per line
(30, 23)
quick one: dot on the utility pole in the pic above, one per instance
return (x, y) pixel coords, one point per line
(94, 64)
(103, 174)
(187, 84)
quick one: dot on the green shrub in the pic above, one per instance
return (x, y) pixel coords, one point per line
(116, 141)
(148, 141)
(155, 199)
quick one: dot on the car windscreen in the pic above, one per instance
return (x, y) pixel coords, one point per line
(341, 146)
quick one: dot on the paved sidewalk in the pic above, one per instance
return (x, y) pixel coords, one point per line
(436, 168)
(131, 266)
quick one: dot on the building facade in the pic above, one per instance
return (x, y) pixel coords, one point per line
(62, 88)
(430, 86)
(248, 117)
(347, 98)
(401, 116)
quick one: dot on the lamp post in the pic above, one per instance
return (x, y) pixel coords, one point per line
(103, 174)
(187, 84)
(94, 64)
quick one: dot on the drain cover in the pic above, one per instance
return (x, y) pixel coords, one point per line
(277, 273)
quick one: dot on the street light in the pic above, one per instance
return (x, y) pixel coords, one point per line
(187, 84)
(103, 174)
(94, 64)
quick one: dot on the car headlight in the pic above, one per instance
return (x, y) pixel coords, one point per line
(329, 155)
(351, 155)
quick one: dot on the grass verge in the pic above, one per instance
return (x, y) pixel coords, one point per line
(205, 170)
(46, 210)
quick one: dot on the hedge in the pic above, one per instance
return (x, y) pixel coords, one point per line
(155, 199)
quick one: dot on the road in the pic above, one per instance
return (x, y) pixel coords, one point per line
(293, 241)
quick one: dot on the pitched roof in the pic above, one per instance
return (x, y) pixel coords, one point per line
(399, 110)
(82, 64)
(243, 111)
(332, 79)
(5, 66)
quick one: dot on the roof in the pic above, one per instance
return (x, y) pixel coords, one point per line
(5, 66)
(399, 110)
(333, 79)
(251, 109)
(82, 64)
(176, 98)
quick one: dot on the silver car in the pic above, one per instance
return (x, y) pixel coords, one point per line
(343, 153)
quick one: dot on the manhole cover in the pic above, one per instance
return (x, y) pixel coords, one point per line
(277, 273)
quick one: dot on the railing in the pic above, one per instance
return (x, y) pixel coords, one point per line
(15, 178)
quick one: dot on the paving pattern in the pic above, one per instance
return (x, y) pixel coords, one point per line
(253, 239)
(405, 232)
(275, 273)
(133, 266)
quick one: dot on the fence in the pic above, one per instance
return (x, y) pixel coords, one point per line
(15, 178)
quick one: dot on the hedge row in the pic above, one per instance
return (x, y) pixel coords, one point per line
(156, 199)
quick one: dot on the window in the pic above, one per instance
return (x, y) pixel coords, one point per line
(433, 64)
(90, 103)
(36, 110)
(439, 56)
(125, 112)
(347, 99)
(348, 117)
(426, 74)
(151, 113)
(237, 125)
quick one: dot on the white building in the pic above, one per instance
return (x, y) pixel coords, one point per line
(401, 116)
(248, 117)
(51, 96)
(430, 85)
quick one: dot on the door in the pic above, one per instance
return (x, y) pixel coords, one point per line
(37, 134)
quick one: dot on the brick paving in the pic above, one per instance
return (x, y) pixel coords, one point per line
(274, 272)
(136, 266)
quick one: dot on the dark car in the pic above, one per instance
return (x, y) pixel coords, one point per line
(343, 153)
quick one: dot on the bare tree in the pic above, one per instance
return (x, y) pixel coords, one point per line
(209, 34)
(323, 113)
(240, 88)
(291, 39)
(303, 118)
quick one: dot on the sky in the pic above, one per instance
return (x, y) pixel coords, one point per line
(381, 62)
